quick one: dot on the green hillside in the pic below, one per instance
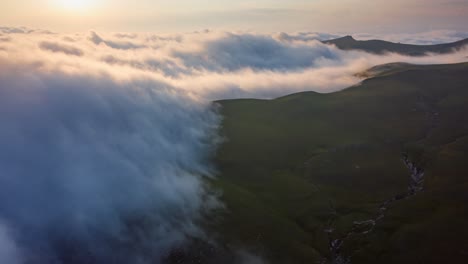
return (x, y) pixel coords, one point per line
(380, 46)
(303, 173)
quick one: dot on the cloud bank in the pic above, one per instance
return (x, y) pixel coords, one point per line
(95, 170)
(55, 47)
(106, 138)
(96, 39)
(9, 251)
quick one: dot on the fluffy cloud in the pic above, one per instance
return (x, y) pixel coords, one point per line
(56, 47)
(9, 251)
(305, 36)
(126, 35)
(96, 39)
(14, 30)
(105, 143)
(233, 52)
(98, 170)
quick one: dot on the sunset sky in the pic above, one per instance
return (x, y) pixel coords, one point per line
(397, 16)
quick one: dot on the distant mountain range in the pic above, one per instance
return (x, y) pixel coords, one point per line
(381, 46)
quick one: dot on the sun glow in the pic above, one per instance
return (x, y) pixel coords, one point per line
(75, 5)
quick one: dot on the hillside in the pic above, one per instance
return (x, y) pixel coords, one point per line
(375, 173)
(380, 46)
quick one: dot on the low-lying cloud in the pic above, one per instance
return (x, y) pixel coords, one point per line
(15, 30)
(305, 36)
(9, 251)
(105, 143)
(56, 47)
(96, 39)
(96, 170)
(233, 52)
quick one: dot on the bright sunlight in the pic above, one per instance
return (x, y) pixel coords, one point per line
(75, 5)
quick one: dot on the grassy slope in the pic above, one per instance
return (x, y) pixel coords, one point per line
(293, 163)
(380, 46)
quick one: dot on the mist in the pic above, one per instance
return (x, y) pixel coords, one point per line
(94, 165)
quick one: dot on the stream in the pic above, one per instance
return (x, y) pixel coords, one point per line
(364, 227)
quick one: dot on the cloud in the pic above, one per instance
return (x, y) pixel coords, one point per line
(68, 39)
(91, 165)
(167, 67)
(56, 47)
(14, 30)
(237, 51)
(96, 39)
(104, 155)
(125, 35)
(305, 36)
(9, 251)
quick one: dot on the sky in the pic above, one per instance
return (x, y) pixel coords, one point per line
(333, 16)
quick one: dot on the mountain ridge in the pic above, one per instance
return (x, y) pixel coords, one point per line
(380, 46)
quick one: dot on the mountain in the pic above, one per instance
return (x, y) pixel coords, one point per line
(376, 173)
(380, 46)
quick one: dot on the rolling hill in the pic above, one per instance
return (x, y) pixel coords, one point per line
(376, 173)
(380, 46)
